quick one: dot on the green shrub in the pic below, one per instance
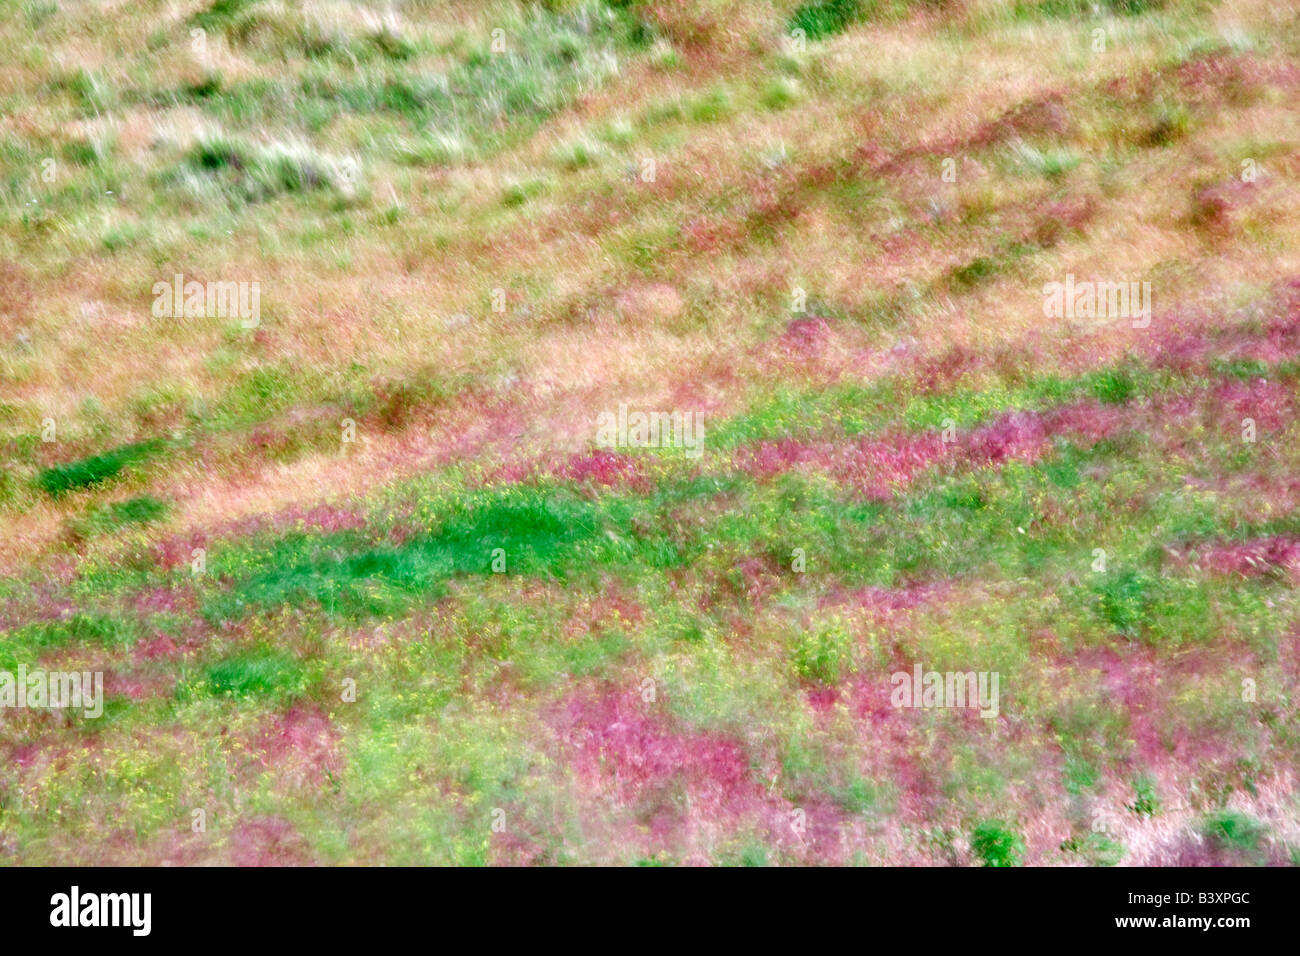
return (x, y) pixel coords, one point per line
(996, 844)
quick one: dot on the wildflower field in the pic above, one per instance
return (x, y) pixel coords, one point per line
(598, 419)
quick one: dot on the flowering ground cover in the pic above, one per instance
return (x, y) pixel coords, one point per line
(362, 576)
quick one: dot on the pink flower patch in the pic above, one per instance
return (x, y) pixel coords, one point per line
(879, 467)
(268, 841)
(1181, 353)
(773, 458)
(874, 466)
(301, 745)
(942, 372)
(23, 756)
(1253, 558)
(822, 699)
(1089, 422)
(160, 646)
(327, 518)
(760, 577)
(682, 786)
(594, 617)
(602, 467)
(1188, 346)
(176, 550)
(512, 474)
(509, 848)
(804, 337)
(871, 698)
(48, 606)
(128, 686)
(1271, 405)
(156, 600)
(616, 744)
(1021, 436)
(882, 601)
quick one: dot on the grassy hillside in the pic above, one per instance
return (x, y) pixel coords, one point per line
(364, 584)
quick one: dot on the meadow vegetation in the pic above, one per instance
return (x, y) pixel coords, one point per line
(469, 636)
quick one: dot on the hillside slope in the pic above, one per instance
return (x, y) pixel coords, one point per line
(370, 561)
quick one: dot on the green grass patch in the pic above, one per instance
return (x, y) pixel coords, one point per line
(1095, 849)
(531, 531)
(824, 18)
(256, 673)
(1146, 803)
(96, 469)
(996, 843)
(141, 510)
(221, 13)
(974, 272)
(254, 172)
(81, 627)
(1233, 831)
(824, 654)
